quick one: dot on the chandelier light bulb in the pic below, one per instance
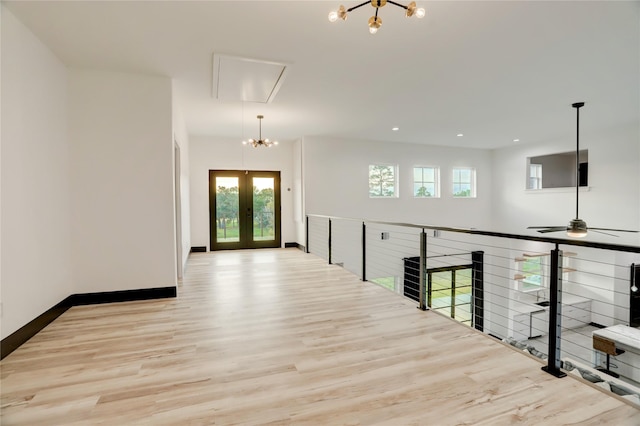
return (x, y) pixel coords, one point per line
(420, 13)
(333, 16)
(374, 24)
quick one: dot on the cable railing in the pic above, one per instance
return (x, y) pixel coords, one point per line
(570, 303)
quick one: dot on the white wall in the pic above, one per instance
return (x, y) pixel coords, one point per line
(122, 181)
(35, 226)
(209, 153)
(336, 182)
(181, 138)
(614, 160)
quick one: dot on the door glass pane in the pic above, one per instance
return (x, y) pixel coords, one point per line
(463, 295)
(227, 207)
(452, 300)
(441, 291)
(263, 209)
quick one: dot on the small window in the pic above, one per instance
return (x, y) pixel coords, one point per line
(426, 182)
(382, 181)
(464, 182)
(533, 272)
(535, 176)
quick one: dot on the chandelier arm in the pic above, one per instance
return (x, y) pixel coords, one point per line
(397, 4)
(360, 5)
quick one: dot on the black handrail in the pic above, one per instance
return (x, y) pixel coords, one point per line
(564, 241)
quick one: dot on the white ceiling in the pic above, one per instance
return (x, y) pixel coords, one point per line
(493, 71)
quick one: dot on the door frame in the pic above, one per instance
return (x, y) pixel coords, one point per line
(245, 210)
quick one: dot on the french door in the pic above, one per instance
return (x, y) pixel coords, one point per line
(449, 290)
(244, 209)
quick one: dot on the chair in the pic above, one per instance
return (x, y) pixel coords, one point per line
(608, 347)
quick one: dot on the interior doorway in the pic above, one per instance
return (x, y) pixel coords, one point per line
(244, 209)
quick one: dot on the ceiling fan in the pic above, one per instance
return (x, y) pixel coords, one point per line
(577, 227)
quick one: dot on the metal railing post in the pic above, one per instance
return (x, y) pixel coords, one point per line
(477, 289)
(555, 314)
(423, 270)
(306, 237)
(329, 242)
(364, 252)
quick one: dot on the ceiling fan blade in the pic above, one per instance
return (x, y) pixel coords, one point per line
(605, 233)
(556, 229)
(610, 229)
(547, 227)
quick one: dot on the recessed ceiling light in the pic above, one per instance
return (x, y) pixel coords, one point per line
(395, 129)
(516, 140)
(460, 135)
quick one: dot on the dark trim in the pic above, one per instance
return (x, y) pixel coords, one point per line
(329, 242)
(477, 283)
(596, 325)
(306, 237)
(27, 331)
(122, 296)
(294, 245)
(364, 252)
(199, 249)
(555, 315)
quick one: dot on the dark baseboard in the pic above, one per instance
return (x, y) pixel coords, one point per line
(596, 325)
(26, 332)
(294, 245)
(290, 245)
(122, 296)
(199, 249)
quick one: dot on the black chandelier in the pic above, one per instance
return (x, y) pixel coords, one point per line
(375, 22)
(260, 142)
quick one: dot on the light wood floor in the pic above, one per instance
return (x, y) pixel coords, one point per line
(279, 337)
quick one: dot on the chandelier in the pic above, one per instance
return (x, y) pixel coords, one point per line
(260, 142)
(375, 22)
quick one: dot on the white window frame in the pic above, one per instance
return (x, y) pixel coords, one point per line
(394, 167)
(472, 182)
(436, 182)
(535, 176)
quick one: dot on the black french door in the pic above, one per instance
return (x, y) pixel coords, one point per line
(244, 209)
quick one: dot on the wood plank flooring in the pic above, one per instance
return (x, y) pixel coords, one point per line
(280, 337)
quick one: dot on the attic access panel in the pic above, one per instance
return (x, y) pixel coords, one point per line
(246, 79)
